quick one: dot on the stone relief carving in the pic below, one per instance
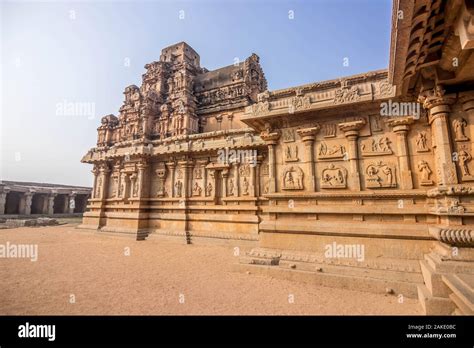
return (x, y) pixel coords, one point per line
(209, 189)
(385, 89)
(291, 153)
(377, 147)
(292, 178)
(376, 123)
(245, 187)
(288, 135)
(464, 159)
(178, 187)
(422, 142)
(425, 171)
(459, 126)
(379, 175)
(299, 103)
(197, 173)
(197, 190)
(244, 170)
(330, 130)
(334, 177)
(456, 208)
(231, 187)
(346, 94)
(335, 151)
(179, 174)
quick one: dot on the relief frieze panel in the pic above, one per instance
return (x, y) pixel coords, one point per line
(380, 175)
(334, 177)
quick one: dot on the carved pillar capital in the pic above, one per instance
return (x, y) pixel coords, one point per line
(436, 102)
(467, 100)
(401, 124)
(351, 129)
(308, 134)
(270, 138)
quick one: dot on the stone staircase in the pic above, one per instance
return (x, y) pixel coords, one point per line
(392, 276)
(448, 286)
(462, 287)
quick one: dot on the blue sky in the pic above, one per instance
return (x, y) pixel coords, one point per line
(86, 53)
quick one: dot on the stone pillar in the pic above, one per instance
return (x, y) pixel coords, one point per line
(104, 182)
(171, 166)
(467, 100)
(308, 136)
(438, 106)
(44, 204)
(142, 187)
(187, 166)
(3, 202)
(66, 204)
(271, 139)
(71, 199)
(51, 203)
(258, 189)
(253, 178)
(212, 174)
(351, 132)
(400, 126)
(25, 203)
(224, 175)
(95, 171)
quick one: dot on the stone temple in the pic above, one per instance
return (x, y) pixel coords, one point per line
(365, 181)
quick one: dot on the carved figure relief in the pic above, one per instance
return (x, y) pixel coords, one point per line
(377, 147)
(334, 177)
(245, 187)
(264, 169)
(178, 187)
(459, 126)
(464, 159)
(288, 135)
(425, 171)
(379, 175)
(197, 173)
(335, 151)
(244, 170)
(197, 190)
(422, 142)
(299, 103)
(292, 178)
(346, 94)
(231, 187)
(179, 174)
(209, 189)
(291, 153)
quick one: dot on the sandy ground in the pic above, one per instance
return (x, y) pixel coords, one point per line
(157, 277)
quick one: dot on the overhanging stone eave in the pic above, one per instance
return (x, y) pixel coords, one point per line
(400, 35)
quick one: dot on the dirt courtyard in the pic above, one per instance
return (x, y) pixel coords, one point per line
(80, 272)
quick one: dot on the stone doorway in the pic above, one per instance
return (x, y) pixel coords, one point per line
(12, 205)
(59, 204)
(38, 204)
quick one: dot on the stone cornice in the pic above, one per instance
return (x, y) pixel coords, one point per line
(183, 144)
(329, 94)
